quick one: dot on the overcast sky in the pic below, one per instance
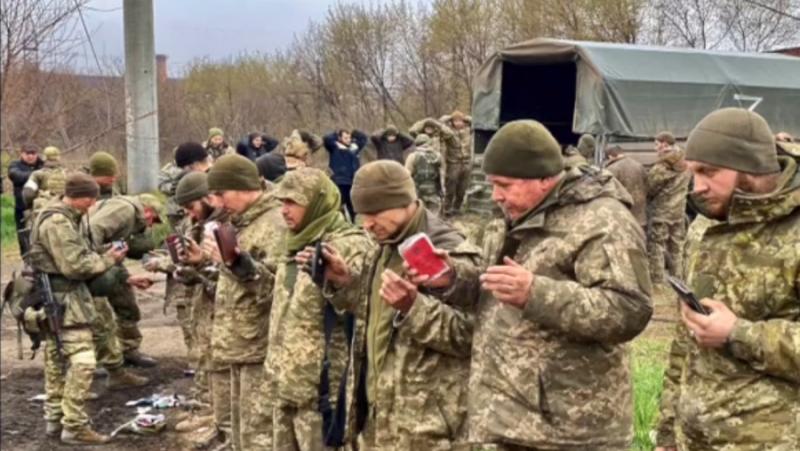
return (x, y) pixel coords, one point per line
(189, 29)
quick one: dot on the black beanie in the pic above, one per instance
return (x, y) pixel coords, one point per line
(189, 153)
(271, 166)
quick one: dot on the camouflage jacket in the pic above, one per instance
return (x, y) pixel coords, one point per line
(47, 182)
(444, 139)
(59, 248)
(555, 373)
(633, 177)
(216, 152)
(425, 166)
(168, 179)
(745, 396)
(464, 152)
(119, 218)
(294, 360)
(415, 376)
(244, 298)
(667, 187)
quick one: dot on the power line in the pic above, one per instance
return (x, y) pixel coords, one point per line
(96, 60)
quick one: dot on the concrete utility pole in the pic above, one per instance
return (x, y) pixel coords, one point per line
(141, 102)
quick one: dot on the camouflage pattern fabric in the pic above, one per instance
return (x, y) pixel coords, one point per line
(58, 248)
(443, 140)
(554, 374)
(216, 152)
(633, 177)
(415, 378)
(43, 186)
(108, 348)
(221, 399)
(242, 308)
(298, 429)
(168, 178)
(744, 396)
(665, 246)
(458, 166)
(425, 167)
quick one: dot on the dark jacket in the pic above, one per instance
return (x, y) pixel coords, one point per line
(245, 147)
(397, 150)
(344, 162)
(18, 173)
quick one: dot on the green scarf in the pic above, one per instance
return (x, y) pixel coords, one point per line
(322, 216)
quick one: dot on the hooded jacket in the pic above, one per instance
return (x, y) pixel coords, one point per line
(746, 395)
(554, 374)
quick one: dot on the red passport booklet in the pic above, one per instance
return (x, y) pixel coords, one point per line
(417, 251)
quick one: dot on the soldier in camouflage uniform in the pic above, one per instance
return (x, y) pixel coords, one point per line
(244, 296)
(312, 212)
(129, 219)
(391, 144)
(215, 145)
(568, 288)
(425, 167)
(633, 177)
(458, 161)
(667, 187)
(415, 333)
(46, 183)
(443, 139)
(59, 249)
(733, 380)
(572, 157)
(586, 147)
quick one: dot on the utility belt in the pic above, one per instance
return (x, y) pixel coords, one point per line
(61, 284)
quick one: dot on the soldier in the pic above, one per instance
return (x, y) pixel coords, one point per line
(416, 341)
(299, 341)
(586, 147)
(567, 290)
(458, 161)
(443, 138)
(572, 157)
(46, 183)
(344, 148)
(60, 250)
(271, 166)
(296, 154)
(391, 144)
(188, 157)
(215, 145)
(633, 177)
(105, 170)
(200, 281)
(244, 295)
(129, 219)
(733, 380)
(18, 172)
(425, 166)
(667, 187)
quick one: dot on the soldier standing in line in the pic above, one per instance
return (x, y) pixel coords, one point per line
(568, 289)
(215, 145)
(243, 298)
(297, 331)
(425, 166)
(414, 336)
(45, 184)
(391, 144)
(733, 380)
(633, 177)
(458, 162)
(667, 187)
(60, 250)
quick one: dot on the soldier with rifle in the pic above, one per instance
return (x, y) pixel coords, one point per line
(63, 262)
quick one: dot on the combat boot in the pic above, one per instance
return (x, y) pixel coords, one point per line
(120, 378)
(83, 436)
(53, 428)
(136, 358)
(194, 423)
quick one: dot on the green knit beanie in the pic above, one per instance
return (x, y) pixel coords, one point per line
(193, 186)
(586, 145)
(523, 149)
(103, 164)
(233, 172)
(382, 185)
(734, 138)
(80, 185)
(215, 131)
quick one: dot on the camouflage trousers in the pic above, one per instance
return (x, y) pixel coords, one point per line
(665, 249)
(128, 316)
(67, 380)
(457, 177)
(368, 440)
(297, 429)
(108, 350)
(201, 323)
(243, 419)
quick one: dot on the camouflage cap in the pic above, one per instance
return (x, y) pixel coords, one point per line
(51, 153)
(296, 153)
(300, 185)
(154, 203)
(103, 164)
(422, 140)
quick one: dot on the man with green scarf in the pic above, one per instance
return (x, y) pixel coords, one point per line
(312, 212)
(568, 289)
(244, 295)
(414, 351)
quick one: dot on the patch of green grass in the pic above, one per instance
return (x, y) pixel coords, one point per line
(8, 230)
(649, 362)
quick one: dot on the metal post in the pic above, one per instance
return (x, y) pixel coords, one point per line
(141, 104)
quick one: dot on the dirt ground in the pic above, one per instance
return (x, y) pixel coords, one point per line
(21, 421)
